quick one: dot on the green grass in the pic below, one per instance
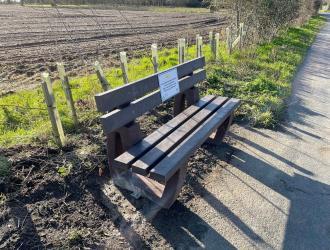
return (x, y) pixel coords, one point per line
(261, 76)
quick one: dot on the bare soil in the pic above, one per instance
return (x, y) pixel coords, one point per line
(43, 209)
(32, 40)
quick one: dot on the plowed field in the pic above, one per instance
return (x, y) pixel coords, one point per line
(33, 39)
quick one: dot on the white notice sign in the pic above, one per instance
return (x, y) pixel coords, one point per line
(169, 84)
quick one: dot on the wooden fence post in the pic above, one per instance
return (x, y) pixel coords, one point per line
(154, 53)
(199, 46)
(241, 34)
(100, 75)
(229, 40)
(52, 110)
(124, 66)
(186, 50)
(211, 40)
(181, 50)
(216, 46)
(68, 94)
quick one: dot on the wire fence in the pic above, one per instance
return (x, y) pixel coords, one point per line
(58, 23)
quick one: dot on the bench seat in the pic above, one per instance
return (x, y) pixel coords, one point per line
(155, 166)
(160, 155)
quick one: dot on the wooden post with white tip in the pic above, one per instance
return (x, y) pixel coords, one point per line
(154, 54)
(124, 66)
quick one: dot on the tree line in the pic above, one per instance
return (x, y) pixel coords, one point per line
(265, 18)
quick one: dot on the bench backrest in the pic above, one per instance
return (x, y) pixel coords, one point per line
(131, 101)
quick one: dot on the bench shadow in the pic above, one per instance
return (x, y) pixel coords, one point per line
(184, 229)
(124, 227)
(271, 153)
(308, 224)
(180, 227)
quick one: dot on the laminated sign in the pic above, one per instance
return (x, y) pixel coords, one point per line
(169, 84)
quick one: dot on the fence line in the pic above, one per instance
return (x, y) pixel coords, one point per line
(214, 43)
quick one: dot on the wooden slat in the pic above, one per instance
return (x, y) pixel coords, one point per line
(111, 99)
(145, 163)
(167, 167)
(125, 160)
(121, 117)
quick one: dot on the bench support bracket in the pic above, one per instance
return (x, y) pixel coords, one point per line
(217, 137)
(120, 141)
(186, 99)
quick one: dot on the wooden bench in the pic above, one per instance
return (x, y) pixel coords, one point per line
(155, 166)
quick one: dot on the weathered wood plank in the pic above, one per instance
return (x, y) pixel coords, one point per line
(125, 160)
(124, 66)
(146, 162)
(68, 94)
(54, 116)
(168, 166)
(111, 99)
(100, 75)
(154, 54)
(121, 117)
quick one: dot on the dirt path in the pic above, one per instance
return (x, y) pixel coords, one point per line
(274, 192)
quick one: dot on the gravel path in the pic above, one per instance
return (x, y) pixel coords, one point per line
(274, 192)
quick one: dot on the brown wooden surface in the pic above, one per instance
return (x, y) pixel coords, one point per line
(111, 99)
(217, 137)
(145, 163)
(121, 117)
(125, 160)
(168, 166)
(120, 141)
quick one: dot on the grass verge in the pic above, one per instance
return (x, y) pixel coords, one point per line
(260, 75)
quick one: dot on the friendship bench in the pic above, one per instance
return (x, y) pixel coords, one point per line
(155, 166)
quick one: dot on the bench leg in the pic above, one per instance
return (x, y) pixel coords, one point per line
(173, 188)
(217, 137)
(179, 104)
(164, 195)
(186, 99)
(120, 141)
(192, 96)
